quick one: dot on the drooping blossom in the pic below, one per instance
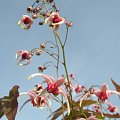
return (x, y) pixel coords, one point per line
(96, 108)
(104, 93)
(25, 22)
(55, 20)
(53, 86)
(38, 88)
(36, 100)
(42, 101)
(78, 88)
(23, 55)
(111, 107)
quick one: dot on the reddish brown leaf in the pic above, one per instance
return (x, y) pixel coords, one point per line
(9, 104)
(11, 115)
(116, 85)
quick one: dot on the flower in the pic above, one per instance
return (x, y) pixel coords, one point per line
(32, 94)
(111, 108)
(25, 22)
(38, 88)
(104, 93)
(96, 108)
(53, 86)
(37, 100)
(69, 24)
(78, 89)
(41, 101)
(55, 20)
(23, 55)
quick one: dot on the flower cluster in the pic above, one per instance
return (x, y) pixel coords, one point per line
(74, 96)
(49, 16)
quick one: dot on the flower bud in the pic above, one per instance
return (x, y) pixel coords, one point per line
(34, 16)
(43, 14)
(30, 9)
(40, 23)
(38, 9)
(69, 24)
(37, 1)
(39, 52)
(42, 45)
(41, 68)
(49, 1)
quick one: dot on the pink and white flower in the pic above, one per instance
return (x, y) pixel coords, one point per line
(36, 100)
(23, 55)
(53, 86)
(111, 107)
(78, 88)
(38, 88)
(104, 93)
(25, 22)
(55, 20)
(96, 108)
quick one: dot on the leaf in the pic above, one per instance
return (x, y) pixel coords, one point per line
(58, 112)
(116, 85)
(76, 105)
(81, 112)
(9, 104)
(88, 103)
(87, 113)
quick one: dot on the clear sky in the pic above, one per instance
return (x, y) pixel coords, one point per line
(93, 46)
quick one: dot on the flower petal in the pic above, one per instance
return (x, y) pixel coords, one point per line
(48, 79)
(59, 82)
(63, 93)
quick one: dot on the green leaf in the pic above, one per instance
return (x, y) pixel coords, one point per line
(76, 105)
(81, 112)
(88, 103)
(9, 104)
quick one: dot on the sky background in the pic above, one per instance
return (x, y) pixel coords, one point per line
(92, 51)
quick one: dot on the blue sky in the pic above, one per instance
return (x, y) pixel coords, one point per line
(92, 49)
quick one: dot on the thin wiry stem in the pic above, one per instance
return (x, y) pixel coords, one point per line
(64, 64)
(52, 54)
(47, 50)
(58, 56)
(33, 4)
(66, 36)
(51, 43)
(62, 108)
(56, 99)
(24, 104)
(46, 7)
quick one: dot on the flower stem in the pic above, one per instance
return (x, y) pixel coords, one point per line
(65, 66)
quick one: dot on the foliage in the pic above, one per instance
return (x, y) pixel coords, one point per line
(9, 104)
